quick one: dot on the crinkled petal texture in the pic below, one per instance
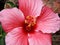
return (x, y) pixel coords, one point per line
(39, 38)
(16, 37)
(11, 18)
(31, 7)
(48, 22)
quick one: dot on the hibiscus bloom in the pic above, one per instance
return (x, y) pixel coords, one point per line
(31, 24)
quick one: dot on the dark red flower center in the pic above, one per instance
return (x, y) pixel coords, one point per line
(30, 23)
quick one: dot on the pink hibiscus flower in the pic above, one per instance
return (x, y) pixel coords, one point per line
(31, 24)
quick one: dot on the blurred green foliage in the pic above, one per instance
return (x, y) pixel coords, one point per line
(2, 36)
(10, 4)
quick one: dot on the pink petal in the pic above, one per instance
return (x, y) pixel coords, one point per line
(38, 38)
(48, 22)
(16, 37)
(31, 7)
(11, 18)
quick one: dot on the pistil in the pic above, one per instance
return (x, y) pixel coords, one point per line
(30, 22)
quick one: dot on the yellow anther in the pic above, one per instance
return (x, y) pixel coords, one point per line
(26, 22)
(29, 25)
(27, 17)
(30, 22)
(33, 23)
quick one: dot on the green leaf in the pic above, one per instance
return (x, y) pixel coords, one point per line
(2, 41)
(10, 5)
(2, 36)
